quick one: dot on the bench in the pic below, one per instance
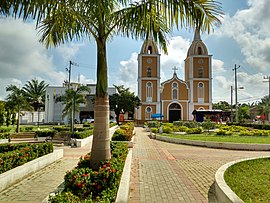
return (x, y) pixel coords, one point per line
(28, 137)
(59, 138)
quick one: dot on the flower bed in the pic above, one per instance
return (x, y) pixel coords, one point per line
(125, 132)
(84, 184)
(13, 155)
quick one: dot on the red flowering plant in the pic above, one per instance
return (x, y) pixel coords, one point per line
(84, 182)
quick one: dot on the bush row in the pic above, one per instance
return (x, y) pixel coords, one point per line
(83, 184)
(252, 125)
(125, 132)
(13, 155)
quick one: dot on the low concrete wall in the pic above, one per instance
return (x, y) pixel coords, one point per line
(123, 190)
(218, 145)
(3, 141)
(83, 142)
(14, 175)
(223, 192)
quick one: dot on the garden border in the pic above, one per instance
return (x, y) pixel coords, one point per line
(14, 175)
(218, 145)
(223, 192)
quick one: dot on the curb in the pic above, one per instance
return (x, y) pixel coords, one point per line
(218, 145)
(223, 192)
(16, 174)
(123, 190)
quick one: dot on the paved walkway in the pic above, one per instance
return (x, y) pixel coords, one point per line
(171, 173)
(161, 172)
(38, 186)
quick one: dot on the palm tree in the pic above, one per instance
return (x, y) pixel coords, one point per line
(16, 100)
(69, 97)
(66, 20)
(264, 106)
(34, 92)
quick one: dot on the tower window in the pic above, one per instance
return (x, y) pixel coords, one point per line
(148, 111)
(149, 72)
(199, 51)
(174, 90)
(200, 72)
(149, 91)
(201, 92)
(150, 50)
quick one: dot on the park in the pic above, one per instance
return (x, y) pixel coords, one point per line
(168, 142)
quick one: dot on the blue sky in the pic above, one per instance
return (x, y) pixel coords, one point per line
(242, 39)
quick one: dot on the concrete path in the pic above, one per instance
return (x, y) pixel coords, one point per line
(38, 186)
(165, 172)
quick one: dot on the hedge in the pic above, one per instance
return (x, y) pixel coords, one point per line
(13, 155)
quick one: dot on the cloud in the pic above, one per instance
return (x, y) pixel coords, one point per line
(23, 57)
(218, 66)
(250, 29)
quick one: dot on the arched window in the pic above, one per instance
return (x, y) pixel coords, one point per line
(200, 72)
(148, 112)
(174, 90)
(149, 72)
(149, 51)
(201, 92)
(149, 92)
(199, 50)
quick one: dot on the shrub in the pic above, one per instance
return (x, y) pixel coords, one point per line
(194, 130)
(178, 123)
(4, 135)
(207, 125)
(83, 134)
(5, 129)
(154, 130)
(167, 129)
(152, 124)
(120, 135)
(61, 128)
(45, 133)
(191, 124)
(86, 185)
(182, 129)
(13, 155)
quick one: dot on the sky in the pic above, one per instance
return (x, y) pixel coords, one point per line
(243, 39)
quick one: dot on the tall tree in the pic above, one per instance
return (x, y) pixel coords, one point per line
(17, 101)
(264, 106)
(70, 97)
(65, 20)
(34, 92)
(124, 101)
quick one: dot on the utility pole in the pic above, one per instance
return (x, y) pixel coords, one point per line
(231, 103)
(69, 71)
(235, 89)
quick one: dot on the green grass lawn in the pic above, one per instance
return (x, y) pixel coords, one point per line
(250, 180)
(221, 138)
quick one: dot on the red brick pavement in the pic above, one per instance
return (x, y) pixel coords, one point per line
(166, 172)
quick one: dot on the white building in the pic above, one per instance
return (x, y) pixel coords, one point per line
(53, 110)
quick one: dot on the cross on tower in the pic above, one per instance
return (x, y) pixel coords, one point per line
(174, 69)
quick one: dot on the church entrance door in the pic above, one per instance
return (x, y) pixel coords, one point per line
(174, 112)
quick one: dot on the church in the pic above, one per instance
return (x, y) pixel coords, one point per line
(174, 99)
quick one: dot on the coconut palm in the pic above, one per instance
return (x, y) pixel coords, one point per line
(66, 20)
(16, 100)
(70, 96)
(34, 92)
(264, 106)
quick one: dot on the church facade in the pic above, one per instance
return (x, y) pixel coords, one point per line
(175, 99)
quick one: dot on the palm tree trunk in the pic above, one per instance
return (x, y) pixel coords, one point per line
(18, 120)
(101, 139)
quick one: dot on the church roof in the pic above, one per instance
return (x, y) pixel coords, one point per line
(149, 47)
(175, 77)
(197, 47)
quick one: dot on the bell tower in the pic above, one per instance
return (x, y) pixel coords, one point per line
(148, 80)
(198, 74)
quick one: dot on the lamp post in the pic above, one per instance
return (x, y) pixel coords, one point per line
(236, 102)
(160, 95)
(39, 101)
(73, 117)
